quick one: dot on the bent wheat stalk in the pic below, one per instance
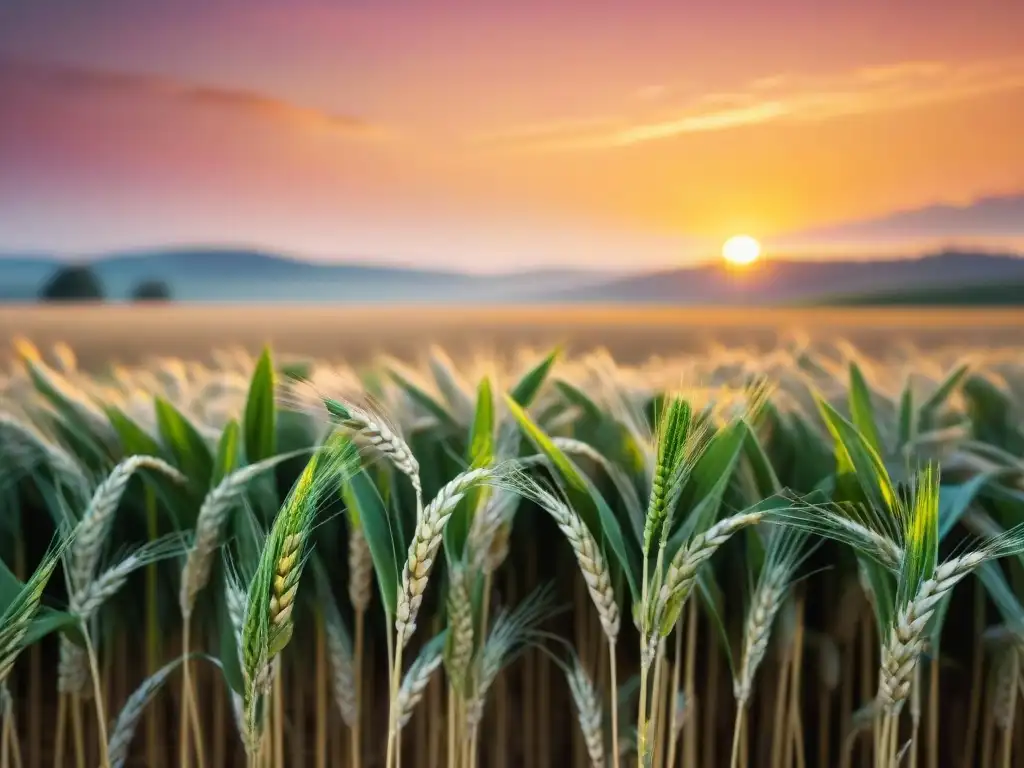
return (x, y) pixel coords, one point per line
(597, 576)
(210, 522)
(268, 624)
(420, 559)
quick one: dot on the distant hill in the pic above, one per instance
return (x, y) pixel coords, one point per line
(787, 282)
(226, 275)
(230, 275)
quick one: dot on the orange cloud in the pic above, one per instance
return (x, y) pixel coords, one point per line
(783, 98)
(80, 81)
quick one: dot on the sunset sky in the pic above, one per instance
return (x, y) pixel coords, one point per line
(493, 135)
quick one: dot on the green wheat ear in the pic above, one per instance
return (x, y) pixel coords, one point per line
(18, 615)
(922, 534)
(269, 623)
(672, 431)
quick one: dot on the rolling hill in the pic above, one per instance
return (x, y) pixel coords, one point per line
(788, 282)
(241, 275)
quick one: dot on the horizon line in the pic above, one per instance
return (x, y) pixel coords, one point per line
(817, 255)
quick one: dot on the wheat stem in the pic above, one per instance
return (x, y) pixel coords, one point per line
(737, 734)
(613, 701)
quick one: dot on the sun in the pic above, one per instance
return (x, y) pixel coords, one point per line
(741, 250)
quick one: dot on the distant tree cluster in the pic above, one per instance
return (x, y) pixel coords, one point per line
(73, 283)
(152, 290)
(79, 282)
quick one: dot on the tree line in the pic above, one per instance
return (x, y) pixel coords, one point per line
(79, 282)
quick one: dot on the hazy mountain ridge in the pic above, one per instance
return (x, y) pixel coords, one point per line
(226, 275)
(780, 281)
(994, 216)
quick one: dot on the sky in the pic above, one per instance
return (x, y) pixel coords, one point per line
(490, 135)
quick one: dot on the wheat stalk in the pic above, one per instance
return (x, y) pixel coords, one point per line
(339, 649)
(672, 462)
(419, 560)
(1006, 687)
(210, 522)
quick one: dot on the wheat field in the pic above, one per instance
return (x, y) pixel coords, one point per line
(678, 539)
(131, 333)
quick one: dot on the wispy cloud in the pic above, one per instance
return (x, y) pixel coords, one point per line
(783, 97)
(66, 81)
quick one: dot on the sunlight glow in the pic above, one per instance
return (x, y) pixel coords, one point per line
(741, 250)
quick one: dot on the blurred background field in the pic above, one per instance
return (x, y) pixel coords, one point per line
(130, 333)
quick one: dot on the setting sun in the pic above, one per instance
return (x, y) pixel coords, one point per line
(741, 249)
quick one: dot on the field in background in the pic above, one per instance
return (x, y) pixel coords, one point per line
(129, 334)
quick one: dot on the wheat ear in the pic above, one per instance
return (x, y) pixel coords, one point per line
(785, 553)
(123, 730)
(459, 648)
(681, 575)
(417, 678)
(426, 541)
(902, 649)
(375, 430)
(588, 556)
(343, 674)
(85, 602)
(16, 619)
(588, 712)
(209, 527)
(339, 648)
(511, 632)
(360, 569)
(1007, 687)
(489, 532)
(59, 460)
(766, 603)
(91, 531)
(270, 599)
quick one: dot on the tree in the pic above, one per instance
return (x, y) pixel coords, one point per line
(151, 290)
(73, 283)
